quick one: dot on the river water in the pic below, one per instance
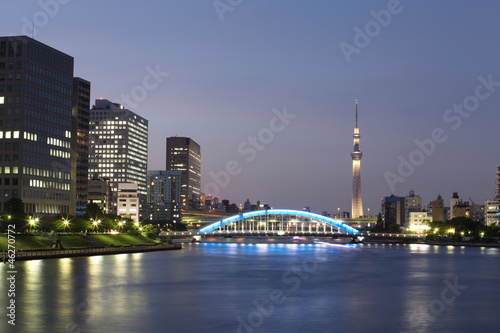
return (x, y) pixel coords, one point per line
(236, 286)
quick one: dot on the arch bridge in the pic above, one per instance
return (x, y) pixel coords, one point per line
(279, 222)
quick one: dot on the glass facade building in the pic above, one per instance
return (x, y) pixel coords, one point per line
(118, 148)
(164, 195)
(80, 145)
(36, 99)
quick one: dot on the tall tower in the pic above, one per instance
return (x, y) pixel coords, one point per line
(357, 201)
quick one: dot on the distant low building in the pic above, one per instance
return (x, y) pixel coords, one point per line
(393, 210)
(492, 208)
(413, 203)
(99, 193)
(437, 208)
(418, 222)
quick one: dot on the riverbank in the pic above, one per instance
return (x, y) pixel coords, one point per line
(48, 254)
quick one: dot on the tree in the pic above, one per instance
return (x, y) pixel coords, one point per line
(93, 211)
(394, 228)
(150, 231)
(379, 227)
(14, 207)
(14, 214)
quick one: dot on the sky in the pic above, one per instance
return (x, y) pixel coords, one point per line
(267, 88)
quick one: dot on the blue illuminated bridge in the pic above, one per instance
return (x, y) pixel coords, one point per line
(278, 221)
(283, 222)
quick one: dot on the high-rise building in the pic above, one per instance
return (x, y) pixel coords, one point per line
(497, 197)
(36, 99)
(393, 210)
(119, 148)
(413, 203)
(357, 200)
(492, 207)
(184, 154)
(80, 145)
(164, 195)
(437, 209)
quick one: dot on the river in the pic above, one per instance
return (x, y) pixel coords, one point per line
(237, 286)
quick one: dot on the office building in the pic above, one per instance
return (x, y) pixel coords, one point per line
(413, 203)
(184, 154)
(164, 195)
(492, 207)
(127, 201)
(80, 145)
(497, 196)
(36, 99)
(393, 211)
(118, 148)
(418, 222)
(356, 154)
(437, 209)
(99, 193)
(454, 201)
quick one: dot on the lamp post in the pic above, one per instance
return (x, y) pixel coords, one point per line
(95, 224)
(33, 222)
(65, 223)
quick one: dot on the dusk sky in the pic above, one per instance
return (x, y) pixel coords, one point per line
(286, 73)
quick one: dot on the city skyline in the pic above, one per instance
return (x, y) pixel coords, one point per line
(286, 73)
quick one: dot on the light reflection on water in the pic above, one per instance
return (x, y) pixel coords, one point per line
(221, 287)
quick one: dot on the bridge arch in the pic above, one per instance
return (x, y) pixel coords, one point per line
(336, 223)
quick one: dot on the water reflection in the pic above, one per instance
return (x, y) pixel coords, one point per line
(206, 287)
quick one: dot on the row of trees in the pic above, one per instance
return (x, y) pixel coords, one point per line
(457, 229)
(94, 220)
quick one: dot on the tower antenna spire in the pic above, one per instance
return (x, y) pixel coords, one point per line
(356, 102)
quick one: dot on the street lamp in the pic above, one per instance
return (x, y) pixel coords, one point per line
(95, 224)
(33, 221)
(65, 223)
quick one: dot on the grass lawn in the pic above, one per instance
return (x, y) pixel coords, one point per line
(74, 242)
(24, 242)
(123, 240)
